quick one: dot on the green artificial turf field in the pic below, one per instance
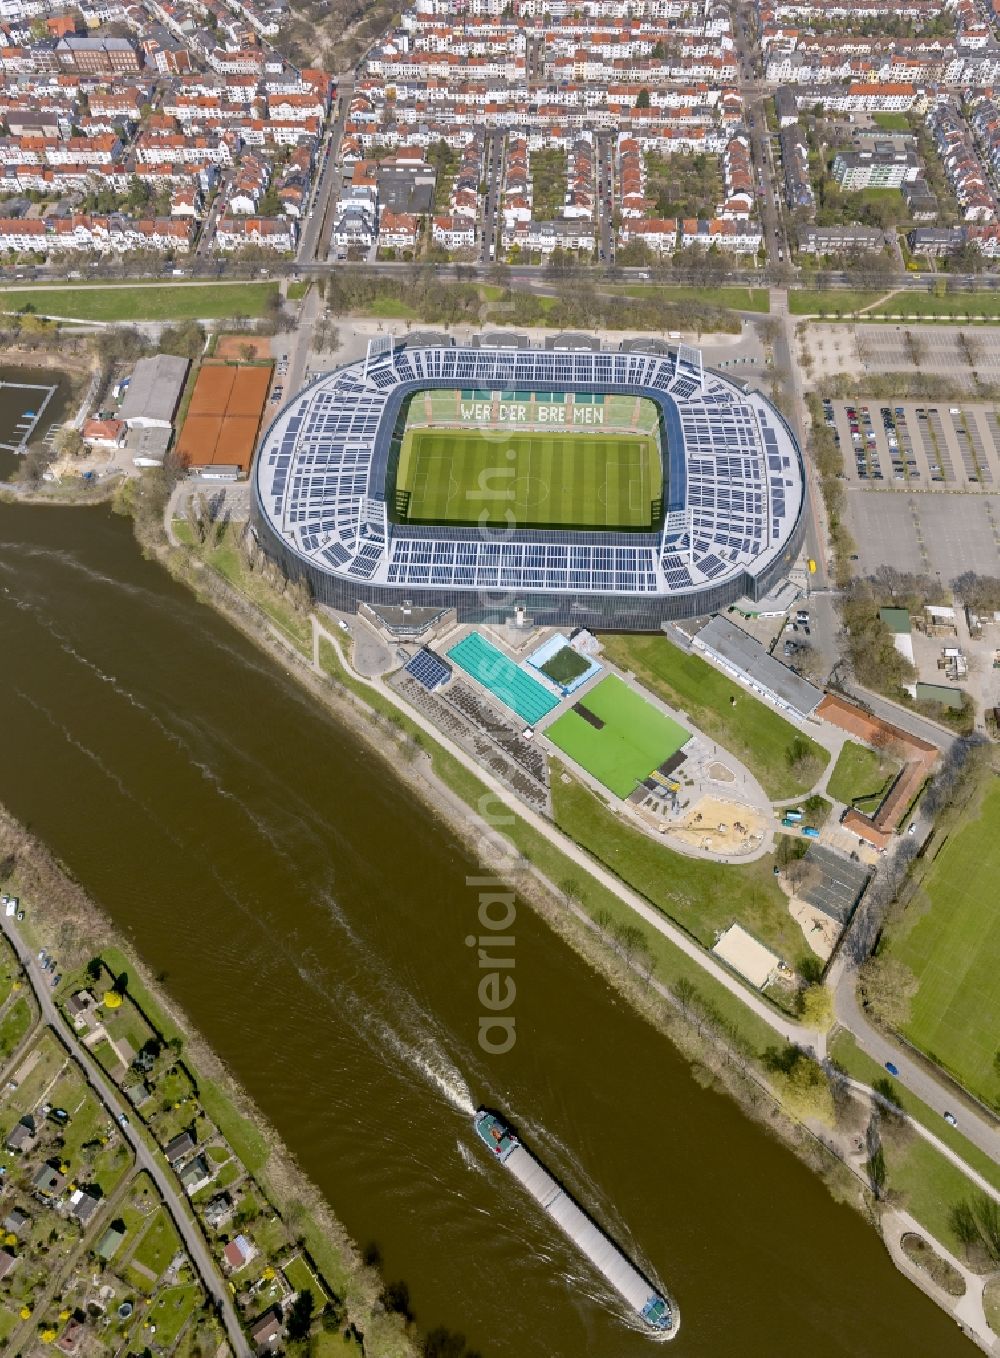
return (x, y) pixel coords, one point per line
(635, 737)
(953, 948)
(574, 479)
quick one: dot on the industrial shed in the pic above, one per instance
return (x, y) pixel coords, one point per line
(154, 392)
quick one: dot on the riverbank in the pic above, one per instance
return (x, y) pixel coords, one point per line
(63, 918)
(721, 1037)
(725, 1051)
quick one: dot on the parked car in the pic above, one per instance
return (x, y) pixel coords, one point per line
(951, 1119)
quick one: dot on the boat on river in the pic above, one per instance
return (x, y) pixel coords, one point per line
(652, 1308)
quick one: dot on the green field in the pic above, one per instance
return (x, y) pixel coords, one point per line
(528, 480)
(785, 762)
(211, 301)
(701, 896)
(891, 122)
(950, 939)
(861, 777)
(635, 737)
(904, 303)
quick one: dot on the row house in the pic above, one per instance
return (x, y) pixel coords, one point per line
(205, 174)
(267, 233)
(454, 233)
(963, 168)
(249, 184)
(737, 174)
(545, 237)
(22, 235)
(795, 165)
(516, 195)
(632, 200)
(151, 150)
(659, 234)
(580, 190)
(398, 230)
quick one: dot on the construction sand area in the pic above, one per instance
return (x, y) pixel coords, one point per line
(718, 826)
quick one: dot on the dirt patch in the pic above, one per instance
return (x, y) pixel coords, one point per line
(719, 773)
(821, 932)
(236, 348)
(717, 826)
(919, 1252)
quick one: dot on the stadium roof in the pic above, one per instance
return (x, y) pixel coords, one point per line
(733, 478)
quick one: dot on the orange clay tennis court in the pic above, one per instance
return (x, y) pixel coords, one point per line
(224, 417)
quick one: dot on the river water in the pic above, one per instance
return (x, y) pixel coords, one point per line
(312, 920)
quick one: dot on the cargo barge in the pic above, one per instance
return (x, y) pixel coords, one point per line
(652, 1309)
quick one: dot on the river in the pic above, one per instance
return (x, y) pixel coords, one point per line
(311, 918)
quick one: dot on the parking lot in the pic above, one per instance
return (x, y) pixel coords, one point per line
(941, 535)
(920, 447)
(952, 351)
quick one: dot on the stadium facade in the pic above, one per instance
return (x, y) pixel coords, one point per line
(733, 512)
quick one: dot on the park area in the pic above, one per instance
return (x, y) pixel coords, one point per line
(575, 479)
(128, 303)
(617, 736)
(784, 761)
(949, 938)
(862, 777)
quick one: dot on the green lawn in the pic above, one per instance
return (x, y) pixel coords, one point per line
(702, 896)
(861, 777)
(136, 303)
(809, 302)
(734, 299)
(300, 1278)
(891, 122)
(564, 479)
(634, 737)
(159, 1243)
(786, 762)
(950, 938)
(906, 303)
(930, 1187)
(171, 1310)
(14, 1024)
(846, 1052)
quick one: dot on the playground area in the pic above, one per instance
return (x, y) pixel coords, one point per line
(715, 825)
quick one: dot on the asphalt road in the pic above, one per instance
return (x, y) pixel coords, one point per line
(974, 1126)
(144, 1158)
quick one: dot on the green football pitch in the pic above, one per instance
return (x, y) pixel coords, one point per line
(576, 479)
(624, 738)
(953, 947)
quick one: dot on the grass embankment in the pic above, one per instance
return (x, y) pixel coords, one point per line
(671, 965)
(170, 302)
(861, 777)
(784, 761)
(703, 897)
(949, 938)
(846, 1052)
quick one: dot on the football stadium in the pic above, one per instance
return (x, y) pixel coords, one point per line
(593, 487)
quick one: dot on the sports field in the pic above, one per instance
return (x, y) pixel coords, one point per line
(953, 948)
(575, 479)
(619, 737)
